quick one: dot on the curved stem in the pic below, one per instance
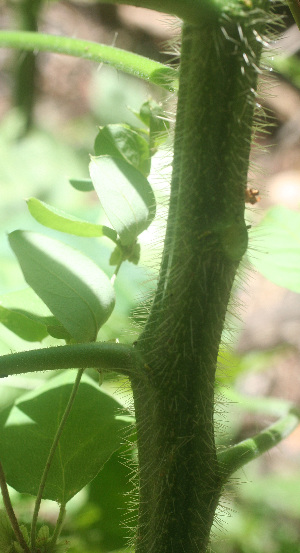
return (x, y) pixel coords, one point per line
(235, 457)
(138, 66)
(101, 355)
(50, 457)
(10, 512)
(193, 11)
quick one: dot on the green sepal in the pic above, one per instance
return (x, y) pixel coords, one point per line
(125, 253)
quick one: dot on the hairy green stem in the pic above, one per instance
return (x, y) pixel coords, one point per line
(237, 456)
(138, 66)
(50, 458)
(10, 512)
(101, 355)
(180, 480)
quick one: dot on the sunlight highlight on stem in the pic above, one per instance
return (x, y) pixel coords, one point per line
(133, 64)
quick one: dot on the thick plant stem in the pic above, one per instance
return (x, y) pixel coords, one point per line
(180, 479)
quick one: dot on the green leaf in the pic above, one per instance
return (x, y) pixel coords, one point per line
(24, 313)
(153, 115)
(56, 219)
(92, 433)
(22, 326)
(125, 194)
(120, 141)
(278, 256)
(83, 185)
(76, 291)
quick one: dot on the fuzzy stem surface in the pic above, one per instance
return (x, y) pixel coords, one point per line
(180, 480)
(100, 355)
(133, 64)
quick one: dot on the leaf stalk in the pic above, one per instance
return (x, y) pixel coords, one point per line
(50, 458)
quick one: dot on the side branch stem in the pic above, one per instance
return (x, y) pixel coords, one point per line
(235, 457)
(101, 355)
(128, 62)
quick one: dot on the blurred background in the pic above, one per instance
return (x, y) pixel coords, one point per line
(50, 109)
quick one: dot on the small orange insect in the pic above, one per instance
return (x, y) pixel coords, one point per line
(252, 196)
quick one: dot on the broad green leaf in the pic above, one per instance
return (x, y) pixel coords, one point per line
(278, 256)
(76, 291)
(23, 326)
(91, 434)
(25, 314)
(57, 219)
(120, 141)
(125, 194)
(83, 185)
(29, 317)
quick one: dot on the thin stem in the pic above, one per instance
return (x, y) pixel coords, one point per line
(51, 455)
(233, 458)
(106, 356)
(138, 66)
(10, 512)
(114, 276)
(58, 526)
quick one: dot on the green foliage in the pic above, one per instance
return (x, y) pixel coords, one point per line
(91, 434)
(125, 194)
(56, 219)
(278, 256)
(76, 291)
(122, 142)
(53, 453)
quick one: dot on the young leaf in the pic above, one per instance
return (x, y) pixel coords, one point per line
(92, 433)
(120, 141)
(83, 185)
(56, 219)
(278, 257)
(125, 194)
(153, 115)
(76, 291)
